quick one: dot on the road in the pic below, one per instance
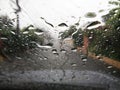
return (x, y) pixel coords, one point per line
(58, 64)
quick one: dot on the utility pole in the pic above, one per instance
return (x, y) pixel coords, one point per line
(17, 11)
(18, 26)
(17, 15)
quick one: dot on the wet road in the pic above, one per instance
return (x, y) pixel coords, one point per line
(58, 64)
(83, 79)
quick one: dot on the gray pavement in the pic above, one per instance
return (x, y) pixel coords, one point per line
(59, 64)
(65, 77)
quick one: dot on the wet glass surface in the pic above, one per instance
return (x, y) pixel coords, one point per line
(60, 44)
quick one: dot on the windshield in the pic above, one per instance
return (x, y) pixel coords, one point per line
(70, 42)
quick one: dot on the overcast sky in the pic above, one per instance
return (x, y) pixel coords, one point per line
(54, 11)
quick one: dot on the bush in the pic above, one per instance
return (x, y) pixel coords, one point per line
(68, 32)
(15, 43)
(106, 43)
(78, 38)
(90, 15)
(75, 34)
(106, 40)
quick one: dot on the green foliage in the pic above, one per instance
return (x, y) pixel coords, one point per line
(90, 15)
(78, 38)
(117, 3)
(69, 32)
(16, 43)
(105, 43)
(104, 40)
(6, 24)
(107, 40)
(101, 10)
(76, 34)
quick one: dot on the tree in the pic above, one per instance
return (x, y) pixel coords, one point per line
(107, 40)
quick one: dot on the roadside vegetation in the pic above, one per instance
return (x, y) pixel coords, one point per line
(107, 39)
(75, 34)
(103, 40)
(10, 42)
(90, 15)
(69, 32)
